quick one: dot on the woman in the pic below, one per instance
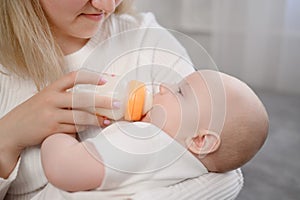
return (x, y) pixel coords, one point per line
(41, 41)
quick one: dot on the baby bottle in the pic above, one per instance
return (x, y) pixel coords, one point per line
(136, 99)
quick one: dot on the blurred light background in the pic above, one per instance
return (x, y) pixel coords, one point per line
(257, 41)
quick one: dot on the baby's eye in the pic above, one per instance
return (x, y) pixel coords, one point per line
(179, 91)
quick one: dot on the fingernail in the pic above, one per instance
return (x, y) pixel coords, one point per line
(102, 80)
(116, 104)
(106, 122)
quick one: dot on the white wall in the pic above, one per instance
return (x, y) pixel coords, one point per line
(255, 40)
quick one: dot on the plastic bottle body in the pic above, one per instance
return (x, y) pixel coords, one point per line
(133, 95)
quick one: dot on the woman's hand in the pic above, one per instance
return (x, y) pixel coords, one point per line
(52, 111)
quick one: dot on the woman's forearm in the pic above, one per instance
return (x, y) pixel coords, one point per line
(68, 165)
(9, 151)
(8, 161)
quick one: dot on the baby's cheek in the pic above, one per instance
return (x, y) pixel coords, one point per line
(158, 116)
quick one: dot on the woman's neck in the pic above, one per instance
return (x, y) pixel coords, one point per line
(69, 47)
(70, 44)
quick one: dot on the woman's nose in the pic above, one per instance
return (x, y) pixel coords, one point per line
(106, 5)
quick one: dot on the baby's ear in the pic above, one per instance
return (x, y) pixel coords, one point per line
(204, 142)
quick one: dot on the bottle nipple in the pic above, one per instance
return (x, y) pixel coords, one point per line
(137, 99)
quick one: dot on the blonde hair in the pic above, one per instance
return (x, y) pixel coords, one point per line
(27, 46)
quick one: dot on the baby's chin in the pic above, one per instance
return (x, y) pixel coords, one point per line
(156, 116)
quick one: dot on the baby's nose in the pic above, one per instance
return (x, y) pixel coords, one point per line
(164, 88)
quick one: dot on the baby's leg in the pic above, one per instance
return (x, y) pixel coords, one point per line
(68, 165)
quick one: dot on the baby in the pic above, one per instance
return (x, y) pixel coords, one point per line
(222, 129)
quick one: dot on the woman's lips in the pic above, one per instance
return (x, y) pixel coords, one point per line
(94, 17)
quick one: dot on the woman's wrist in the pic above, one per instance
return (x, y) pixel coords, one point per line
(8, 161)
(9, 151)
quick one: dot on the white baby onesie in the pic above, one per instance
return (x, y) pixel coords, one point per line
(140, 156)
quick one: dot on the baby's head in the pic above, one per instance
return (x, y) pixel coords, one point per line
(216, 116)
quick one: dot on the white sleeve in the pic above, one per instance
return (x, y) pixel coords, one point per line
(5, 183)
(212, 186)
(167, 54)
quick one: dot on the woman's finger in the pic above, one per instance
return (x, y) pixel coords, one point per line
(78, 117)
(78, 77)
(104, 121)
(82, 100)
(70, 128)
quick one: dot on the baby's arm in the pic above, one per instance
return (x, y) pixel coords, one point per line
(68, 165)
(129, 158)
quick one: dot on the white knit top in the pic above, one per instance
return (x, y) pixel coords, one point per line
(27, 181)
